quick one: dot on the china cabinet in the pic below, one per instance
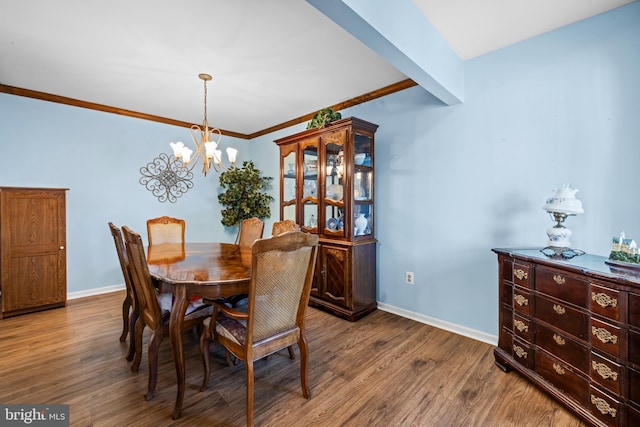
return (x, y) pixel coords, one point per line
(572, 327)
(327, 187)
(32, 250)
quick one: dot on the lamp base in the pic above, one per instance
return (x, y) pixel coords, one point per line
(559, 237)
(561, 252)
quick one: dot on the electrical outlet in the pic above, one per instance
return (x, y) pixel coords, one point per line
(408, 278)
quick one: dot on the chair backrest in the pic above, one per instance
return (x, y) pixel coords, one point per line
(281, 275)
(165, 230)
(124, 261)
(283, 226)
(148, 306)
(250, 230)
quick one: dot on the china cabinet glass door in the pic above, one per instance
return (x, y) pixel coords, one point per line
(309, 220)
(334, 184)
(289, 185)
(362, 187)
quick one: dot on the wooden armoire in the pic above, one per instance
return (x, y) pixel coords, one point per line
(33, 273)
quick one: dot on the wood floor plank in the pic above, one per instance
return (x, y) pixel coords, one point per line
(383, 370)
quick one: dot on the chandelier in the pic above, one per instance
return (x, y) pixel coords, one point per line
(206, 141)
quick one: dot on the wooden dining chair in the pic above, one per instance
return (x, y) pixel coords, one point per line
(250, 230)
(281, 274)
(149, 310)
(165, 230)
(283, 226)
(129, 305)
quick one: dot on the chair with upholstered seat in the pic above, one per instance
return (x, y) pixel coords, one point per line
(149, 310)
(165, 230)
(283, 226)
(129, 306)
(250, 230)
(282, 270)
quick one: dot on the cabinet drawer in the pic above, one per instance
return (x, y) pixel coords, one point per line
(506, 293)
(523, 327)
(563, 317)
(606, 337)
(605, 302)
(634, 386)
(523, 353)
(633, 416)
(607, 373)
(563, 286)
(634, 347)
(507, 270)
(563, 347)
(562, 377)
(523, 274)
(522, 301)
(605, 407)
(634, 310)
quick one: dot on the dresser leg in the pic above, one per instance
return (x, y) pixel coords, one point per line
(500, 361)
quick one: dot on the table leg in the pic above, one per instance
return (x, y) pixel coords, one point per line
(175, 331)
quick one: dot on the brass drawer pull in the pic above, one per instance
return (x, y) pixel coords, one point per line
(521, 326)
(603, 406)
(604, 300)
(559, 279)
(558, 369)
(521, 300)
(559, 340)
(604, 371)
(520, 274)
(520, 352)
(559, 309)
(604, 335)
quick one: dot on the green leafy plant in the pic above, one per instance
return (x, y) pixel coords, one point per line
(244, 194)
(323, 117)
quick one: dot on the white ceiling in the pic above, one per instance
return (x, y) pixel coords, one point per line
(271, 61)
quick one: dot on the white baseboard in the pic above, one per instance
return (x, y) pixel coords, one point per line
(96, 291)
(447, 326)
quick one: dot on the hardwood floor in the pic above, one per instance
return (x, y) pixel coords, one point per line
(383, 370)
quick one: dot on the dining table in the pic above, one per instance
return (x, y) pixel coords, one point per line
(209, 270)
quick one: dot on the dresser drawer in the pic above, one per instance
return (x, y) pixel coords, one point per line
(634, 310)
(562, 285)
(634, 386)
(523, 353)
(606, 302)
(563, 347)
(562, 377)
(633, 354)
(522, 301)
(563, 317)
(607, 373)
(633, 416)
(523, 328)
(507, 269)
(606, 408)
(607, 337)
(523, 274)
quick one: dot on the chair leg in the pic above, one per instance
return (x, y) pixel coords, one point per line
(292, 355)
(139, 330)
(304, 356)
(126, 306)
(154, 346)
(133, 319)
(249, 371)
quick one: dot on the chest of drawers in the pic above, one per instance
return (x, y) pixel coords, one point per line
(572, 327)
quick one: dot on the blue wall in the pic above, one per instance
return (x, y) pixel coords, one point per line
(452, 182)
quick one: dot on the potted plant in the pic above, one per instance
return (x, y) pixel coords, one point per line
(244, 195)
